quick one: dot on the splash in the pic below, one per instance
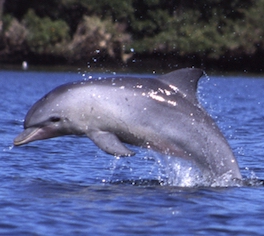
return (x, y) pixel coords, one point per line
(171, 171)
(8, 149)
(178, 172)
(185, 173)
(252, 178)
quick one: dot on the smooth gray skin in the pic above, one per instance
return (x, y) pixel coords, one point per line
(161, 113)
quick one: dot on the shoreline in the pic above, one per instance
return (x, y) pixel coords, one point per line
(144, 64)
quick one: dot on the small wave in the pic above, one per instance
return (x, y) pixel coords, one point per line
(181, 175)
(215, 184)
(177, 172)
(253, 182)
(138, 182)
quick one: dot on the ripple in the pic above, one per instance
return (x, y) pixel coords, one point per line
(138, 182)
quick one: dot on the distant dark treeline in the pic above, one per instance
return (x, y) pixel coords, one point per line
(209, 33)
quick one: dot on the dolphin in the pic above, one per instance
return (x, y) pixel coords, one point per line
(162, 114)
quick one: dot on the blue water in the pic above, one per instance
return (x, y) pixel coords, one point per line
(67, 186)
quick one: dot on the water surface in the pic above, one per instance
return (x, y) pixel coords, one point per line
(68, 186)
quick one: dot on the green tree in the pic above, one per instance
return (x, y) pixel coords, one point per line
(209, 29)
(44, 35)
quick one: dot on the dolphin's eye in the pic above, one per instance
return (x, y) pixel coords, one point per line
(55, 119)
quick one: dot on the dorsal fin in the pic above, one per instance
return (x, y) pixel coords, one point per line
(184, 81)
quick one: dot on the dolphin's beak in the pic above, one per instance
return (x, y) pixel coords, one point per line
(33, 134)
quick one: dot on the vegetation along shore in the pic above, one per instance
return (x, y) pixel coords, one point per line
(226, 35)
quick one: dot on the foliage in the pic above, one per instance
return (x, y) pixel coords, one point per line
(116, 9)
(43, 33)
(95, 37)
(15, 35)
(209, 28)
(206, 29)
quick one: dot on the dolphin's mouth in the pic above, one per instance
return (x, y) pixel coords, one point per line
(28, 135)
(35, 133)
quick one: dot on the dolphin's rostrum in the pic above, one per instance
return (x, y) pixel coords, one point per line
(160, 113)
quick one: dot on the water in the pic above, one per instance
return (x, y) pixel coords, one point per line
(67, 186)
